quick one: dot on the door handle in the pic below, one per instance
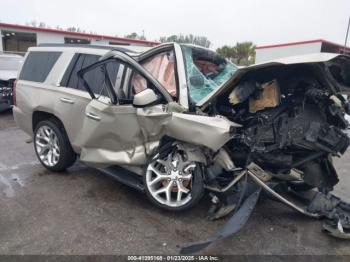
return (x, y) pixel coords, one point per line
(93, 116)
(66, 100)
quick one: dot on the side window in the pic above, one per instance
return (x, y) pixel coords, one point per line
(162, 67)
(70, 78)
(97, 76)
(38, 65)
(79, 61)
(102, 79)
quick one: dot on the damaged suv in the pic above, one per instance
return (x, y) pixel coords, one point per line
(9, 64)
(176, 121)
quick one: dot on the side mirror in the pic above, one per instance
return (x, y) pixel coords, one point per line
(146, 97)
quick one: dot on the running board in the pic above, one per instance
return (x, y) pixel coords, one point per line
(124, 176)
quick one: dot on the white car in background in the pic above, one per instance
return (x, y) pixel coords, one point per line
(9, 65)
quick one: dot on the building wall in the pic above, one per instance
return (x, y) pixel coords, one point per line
(99, 42)
(58, 38)
(49, 38)
(1, 48)
(266, 54)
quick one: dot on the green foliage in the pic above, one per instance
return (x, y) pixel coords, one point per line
(227, 51)
(242, 53)
(135, 36)
(187, 39)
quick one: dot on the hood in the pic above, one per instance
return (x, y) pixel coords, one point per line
(335, 69)
(6, 75)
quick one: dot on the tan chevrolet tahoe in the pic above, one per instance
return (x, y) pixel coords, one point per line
(113, 106)
(176, 121)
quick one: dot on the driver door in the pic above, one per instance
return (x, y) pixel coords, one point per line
(111, 131)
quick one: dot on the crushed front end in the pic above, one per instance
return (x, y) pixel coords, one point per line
(293, 125)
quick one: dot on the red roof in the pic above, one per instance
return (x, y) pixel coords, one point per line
(302, 43)
(59, 31)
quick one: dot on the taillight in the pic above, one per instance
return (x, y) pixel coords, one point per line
(14, 93)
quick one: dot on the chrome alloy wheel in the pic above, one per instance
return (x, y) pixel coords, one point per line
(169, 181)
(47, 147)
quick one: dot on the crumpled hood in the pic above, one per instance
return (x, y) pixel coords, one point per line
(6, 75)
(323, 61)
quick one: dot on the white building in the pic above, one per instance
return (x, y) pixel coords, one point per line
(270, 52)
(17, 38)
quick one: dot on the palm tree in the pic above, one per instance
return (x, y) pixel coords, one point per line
(244, 53)
(227, 52)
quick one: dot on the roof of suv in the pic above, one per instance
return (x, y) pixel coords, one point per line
(131, 50)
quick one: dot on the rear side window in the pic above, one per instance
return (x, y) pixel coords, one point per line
(94, 77)
(38, 65)
(79, 61)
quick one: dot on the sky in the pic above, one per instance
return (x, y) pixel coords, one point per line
(222, 21)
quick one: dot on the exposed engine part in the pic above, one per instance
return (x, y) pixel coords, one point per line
(269, 96)
(242, 92)
(223, 159)
(300, 129)
(229, 186)
(279, 197)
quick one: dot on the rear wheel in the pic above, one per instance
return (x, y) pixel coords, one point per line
(174, 183)
(52, 145)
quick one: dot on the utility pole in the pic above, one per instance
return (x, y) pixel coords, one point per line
(347, 34)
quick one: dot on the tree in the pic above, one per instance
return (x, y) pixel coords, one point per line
(71, 29)
(135, 36)
(32, 23)
(242, 53)
(187, 39)
(227, 51)
(245, 53)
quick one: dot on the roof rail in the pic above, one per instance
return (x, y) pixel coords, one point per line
(106, 47)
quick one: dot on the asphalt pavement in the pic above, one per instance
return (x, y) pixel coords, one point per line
(82, 211)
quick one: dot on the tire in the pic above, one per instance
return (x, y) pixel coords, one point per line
(195, 186)
(51, 135)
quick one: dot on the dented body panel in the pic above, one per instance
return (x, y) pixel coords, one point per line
(126, 135)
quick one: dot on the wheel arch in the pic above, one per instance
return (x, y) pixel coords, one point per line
(39, 116)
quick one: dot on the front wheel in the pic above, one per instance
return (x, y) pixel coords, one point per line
(174, 183)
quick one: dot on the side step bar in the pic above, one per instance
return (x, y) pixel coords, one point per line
(124, 176)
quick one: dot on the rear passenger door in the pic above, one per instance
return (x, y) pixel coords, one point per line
(73, 97)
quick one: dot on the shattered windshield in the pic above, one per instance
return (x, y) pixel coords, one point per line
(205, 71)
